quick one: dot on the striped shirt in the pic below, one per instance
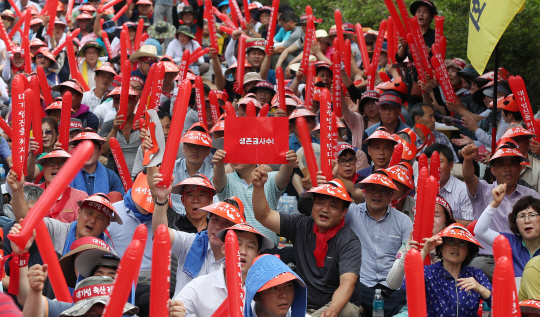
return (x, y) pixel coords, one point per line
(238, 187)
(455, 193)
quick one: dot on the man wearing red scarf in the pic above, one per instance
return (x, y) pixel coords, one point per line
(328, 253)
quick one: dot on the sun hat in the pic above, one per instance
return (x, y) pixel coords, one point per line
(459, 232)
(184, 29)
(257, 14)
(245, 227)
(161, 30)
(517, 132)
(508, 152)
(382, 134)
(233, 67)
(55, 153)
(414, 6)
(379, 177)
(144, 51)
(70, 83)
(101, 203)
(227, 211)
(94, 44)
(196, 182)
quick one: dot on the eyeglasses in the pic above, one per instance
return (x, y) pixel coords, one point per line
(40, 56)
(53, 163)
(373, 190)
(460, 243)
(351, 161)
(532, 216)
(47, 132)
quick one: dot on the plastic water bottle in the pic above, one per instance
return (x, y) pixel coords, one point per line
(195, 70)
(293, 205)
(2, 174)
(378, 304)
(283, 204)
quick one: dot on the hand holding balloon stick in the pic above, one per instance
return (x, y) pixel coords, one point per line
(18, 120)
(305, 140)
(124, 92)
(240, 65)
(396, 156)
(161, 271)
(326, 134)
(281, 89)
(414, 280)
(171, 148)
(120, 161)
(336, 82)
(35, 216)
(442, 75)
(272, 26)
(127, 271)
(417, 57)
(61, 46)
(48, 255)
(157, 85)
(235, 293)
(143, 101)
(214, 106)
(201, 103)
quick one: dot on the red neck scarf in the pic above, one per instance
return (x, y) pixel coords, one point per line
(429, 138)
(321, 246)
(16, 69)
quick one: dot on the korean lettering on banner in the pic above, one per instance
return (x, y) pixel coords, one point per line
(417, 59)
(476, 9)
(527, 116)
(183, 69)
(256, 140)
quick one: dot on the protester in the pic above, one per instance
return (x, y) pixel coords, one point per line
(331, 270)
(82, 111)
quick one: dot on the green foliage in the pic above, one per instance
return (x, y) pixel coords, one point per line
(518, 47)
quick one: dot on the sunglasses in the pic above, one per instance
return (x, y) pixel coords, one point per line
(47, 132)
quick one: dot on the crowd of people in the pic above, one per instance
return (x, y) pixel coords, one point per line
(345, 240)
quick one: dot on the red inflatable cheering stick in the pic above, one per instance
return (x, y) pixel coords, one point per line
(422, 179)
(211, 25)
(240, 65)
(502, 249)
(305, 140)
(48, 255)
(272, 26)
(37, 112)
(420, 45)
(184, 66)
(214, 106)
(396, 156)
(522, 98)
(414, 279)
(120, 161)
(362, 44)
(326, 135)
(439, 28)
(309, 38)
(45, 88)
(336, 85)
(18, 121)
(65, 121)
(281, 89)
(504, 286)
(157, 84)
(143, 101)
(60, 47)
(177, 123)
(201, 104)
(397, 20)
(124, 92)
(416, 57)
(35, 216)
(127, 271)
(309, 86)
(442, 74)
(235, 294)
(161, 272)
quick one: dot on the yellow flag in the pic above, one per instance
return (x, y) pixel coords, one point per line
(488, 19)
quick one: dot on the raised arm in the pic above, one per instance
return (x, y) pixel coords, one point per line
(35, 306)
(482, 226)
(20, 208)
(266, 216)
(469, 152)
(220, 177)
(161, 195)
(216, 67)
(285, 170)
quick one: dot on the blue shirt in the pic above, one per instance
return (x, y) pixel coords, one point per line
(520, 254)
(381, 240)
(121, 234)
(282, 35)
(271, 77)
(115, 184)
(445, 299)
(294, 143)
(5, 151)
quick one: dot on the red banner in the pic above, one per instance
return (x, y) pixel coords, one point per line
(522, 98)
(256, 140)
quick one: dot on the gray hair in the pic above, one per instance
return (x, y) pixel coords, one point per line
(32, 193)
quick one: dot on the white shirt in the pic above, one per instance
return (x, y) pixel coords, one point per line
(176, 51)
(91, 100)
(253, 303)
(101, 110)
(203, 296)
(182, 244)
(123, 234)
(111, 114)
